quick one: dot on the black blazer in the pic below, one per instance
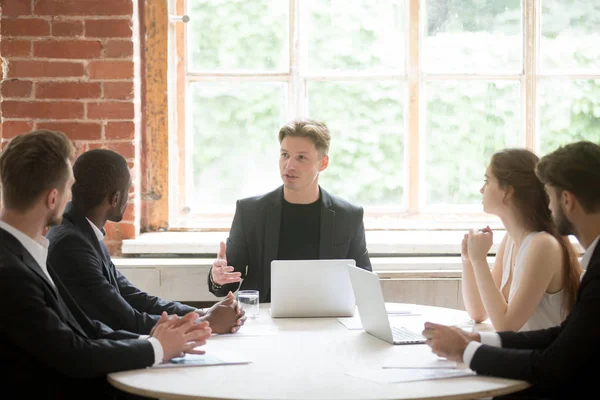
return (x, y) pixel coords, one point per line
(103, 293)
(254, 238)
(46, 342)
(558, 361)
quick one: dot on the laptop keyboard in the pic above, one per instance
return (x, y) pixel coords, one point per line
(405, 335)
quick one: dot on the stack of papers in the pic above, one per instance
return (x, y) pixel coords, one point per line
(410, 374)
(203, 360)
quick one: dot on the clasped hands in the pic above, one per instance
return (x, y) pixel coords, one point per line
(477, 244)
(448, 341)
(226, 316)
(179, 336)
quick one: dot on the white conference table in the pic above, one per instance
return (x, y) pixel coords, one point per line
(310, 358)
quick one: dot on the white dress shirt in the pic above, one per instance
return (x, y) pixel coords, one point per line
(493, 339)
(158, 350)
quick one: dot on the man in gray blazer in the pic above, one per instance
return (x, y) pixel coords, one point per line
(297, 221)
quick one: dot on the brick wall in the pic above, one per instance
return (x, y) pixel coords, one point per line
(73, 66)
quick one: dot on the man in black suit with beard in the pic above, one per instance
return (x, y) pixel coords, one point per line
(558, 361)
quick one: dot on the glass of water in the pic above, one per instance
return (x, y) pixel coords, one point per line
(248, 301)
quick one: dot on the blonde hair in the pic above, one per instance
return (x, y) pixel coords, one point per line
(316, 131)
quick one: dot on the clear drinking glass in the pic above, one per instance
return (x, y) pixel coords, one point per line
(248, 301)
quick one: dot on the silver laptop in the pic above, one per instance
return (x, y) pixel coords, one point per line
(372, 311)
(311, 288)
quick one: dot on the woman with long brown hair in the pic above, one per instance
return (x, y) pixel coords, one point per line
(536, 273)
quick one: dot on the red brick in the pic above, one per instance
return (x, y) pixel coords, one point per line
(118, 49)
(75, 130)
(67, 28)
(119, 231)
(114, 247)
(83, 7)
(80, 148)
(15, 48)
(67, 90)
(92, 146)
(118, 90)
(42, 109)
(25, 27)
(15, 8)
(129, 215)
(110, 110)
(110, 69)
(68, 49)
(36, 69)
(11, 129)
(119, 130)
(126, 149)
(16, 88)
(109, 28)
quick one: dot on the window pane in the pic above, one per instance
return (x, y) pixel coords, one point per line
(355, 35)
(238, 34)
(473, 36)
(573, 115)
(467, 121)
(366, 120)
(570, 35)
(233, 146)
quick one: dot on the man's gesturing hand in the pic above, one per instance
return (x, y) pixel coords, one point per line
(221, 273)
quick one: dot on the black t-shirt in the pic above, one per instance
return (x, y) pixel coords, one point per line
(299, 231)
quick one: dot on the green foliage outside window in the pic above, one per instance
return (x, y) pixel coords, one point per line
(233, 126)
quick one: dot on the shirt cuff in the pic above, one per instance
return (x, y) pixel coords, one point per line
(490, 338)
(470, 352)
(144, 337)
(158, 350)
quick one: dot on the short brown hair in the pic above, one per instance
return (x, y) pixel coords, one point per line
(31, 164)
(316, 131)
(574, 168)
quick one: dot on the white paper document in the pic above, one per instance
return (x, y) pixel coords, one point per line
(353, 323)
(251, 330)
(410, 374)
(421, 363)
(398, 308)
(203, 360)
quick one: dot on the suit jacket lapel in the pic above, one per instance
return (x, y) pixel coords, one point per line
(327, 227)
(81, 223)
(27, 259)
(272, 226)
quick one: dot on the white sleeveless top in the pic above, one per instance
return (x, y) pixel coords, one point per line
(549, 311)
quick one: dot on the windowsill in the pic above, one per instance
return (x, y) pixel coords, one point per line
(422, 243)
(385, 267)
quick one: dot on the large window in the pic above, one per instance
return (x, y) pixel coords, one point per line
(418, 94)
